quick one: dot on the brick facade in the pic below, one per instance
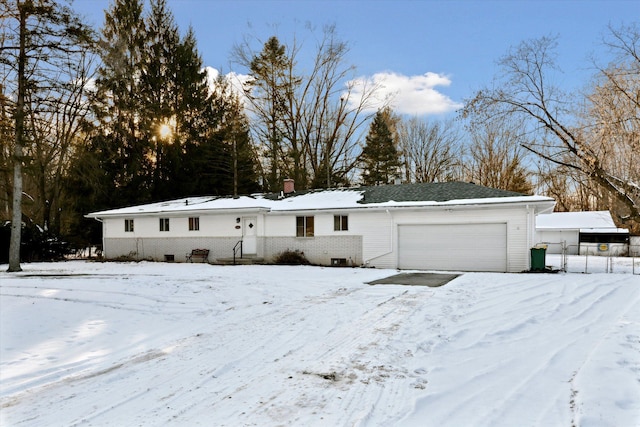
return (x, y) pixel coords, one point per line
(318, 250)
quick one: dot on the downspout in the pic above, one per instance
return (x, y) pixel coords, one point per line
(530, 229)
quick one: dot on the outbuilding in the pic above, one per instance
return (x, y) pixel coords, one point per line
(582, 233)
(435, 226)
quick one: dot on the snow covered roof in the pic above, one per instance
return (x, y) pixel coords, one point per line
(388, 196)
(585, 222)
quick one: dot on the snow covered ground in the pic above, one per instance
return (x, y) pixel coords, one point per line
(154, 344)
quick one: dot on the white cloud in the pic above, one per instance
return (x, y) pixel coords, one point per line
(237, 82)
(414, 95)
(212, 75)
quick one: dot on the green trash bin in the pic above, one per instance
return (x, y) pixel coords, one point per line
(538, 255)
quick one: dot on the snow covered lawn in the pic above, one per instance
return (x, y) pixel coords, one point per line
(154, 344)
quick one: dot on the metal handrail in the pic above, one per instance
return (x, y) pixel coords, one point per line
(235, 249)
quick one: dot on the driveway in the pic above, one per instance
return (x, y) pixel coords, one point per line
(432, 280)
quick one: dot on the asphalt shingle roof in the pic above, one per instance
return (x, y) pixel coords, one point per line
(437, 192)
(418, 192)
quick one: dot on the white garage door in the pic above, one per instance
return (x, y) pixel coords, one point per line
(464, 247)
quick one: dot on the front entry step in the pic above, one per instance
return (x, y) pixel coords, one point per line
(246, 260)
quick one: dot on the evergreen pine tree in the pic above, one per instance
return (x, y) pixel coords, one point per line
(160, 128)
(271, 89)
(178, 105)
(380, 160)
(241, 151)
(225, 162)
(161, 132)
(157, 88)
(121, 150)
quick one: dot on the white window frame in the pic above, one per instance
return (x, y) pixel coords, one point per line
(305, 226)
(340, 223)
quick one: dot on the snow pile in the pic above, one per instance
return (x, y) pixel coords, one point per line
(192, 344)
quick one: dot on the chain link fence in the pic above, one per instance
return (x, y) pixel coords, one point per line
(593, 258)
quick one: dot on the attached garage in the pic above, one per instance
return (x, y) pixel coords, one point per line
(459, 247)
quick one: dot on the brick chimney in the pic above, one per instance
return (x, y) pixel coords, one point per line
(289, 186)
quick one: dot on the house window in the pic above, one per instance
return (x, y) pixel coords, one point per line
(128, 225)
(164, 224)
(194, 223)
(340, 223)
(304, 226)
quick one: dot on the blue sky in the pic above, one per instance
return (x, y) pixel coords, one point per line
(432, 54)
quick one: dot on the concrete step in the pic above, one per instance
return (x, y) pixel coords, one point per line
(246, 260)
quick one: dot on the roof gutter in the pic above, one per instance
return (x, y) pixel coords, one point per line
(183, 212)
(439, 206)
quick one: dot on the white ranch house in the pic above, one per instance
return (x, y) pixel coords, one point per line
(438, 226)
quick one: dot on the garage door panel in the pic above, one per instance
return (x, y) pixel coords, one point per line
(465, 247)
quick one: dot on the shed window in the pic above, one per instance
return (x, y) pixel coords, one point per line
(128, 225)
(164, 224)
(604, 238)
(340, 223)
(304, 226)
(194, 223)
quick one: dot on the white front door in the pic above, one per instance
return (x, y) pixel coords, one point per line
(249, 233)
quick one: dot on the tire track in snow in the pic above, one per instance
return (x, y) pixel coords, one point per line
(345, 362)
(627, 319)
(325, 344)
(220, 385)
(244, 353)
(537, 369)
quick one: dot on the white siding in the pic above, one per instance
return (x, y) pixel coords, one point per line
(218, 225)
(284, 225)
(376, 229)
(280, 225)
(554, 238)
(222, 225)
(380, 230)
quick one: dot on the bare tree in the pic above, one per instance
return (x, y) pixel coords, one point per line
(496, 156)
(37, 37)
(56, 121)
(611, 120)
(6, 157)
(431, 150)
(307, 122)
(526, 93)
(331, 113)
(565, 185)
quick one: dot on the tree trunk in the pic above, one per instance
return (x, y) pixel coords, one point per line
(16, 220)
